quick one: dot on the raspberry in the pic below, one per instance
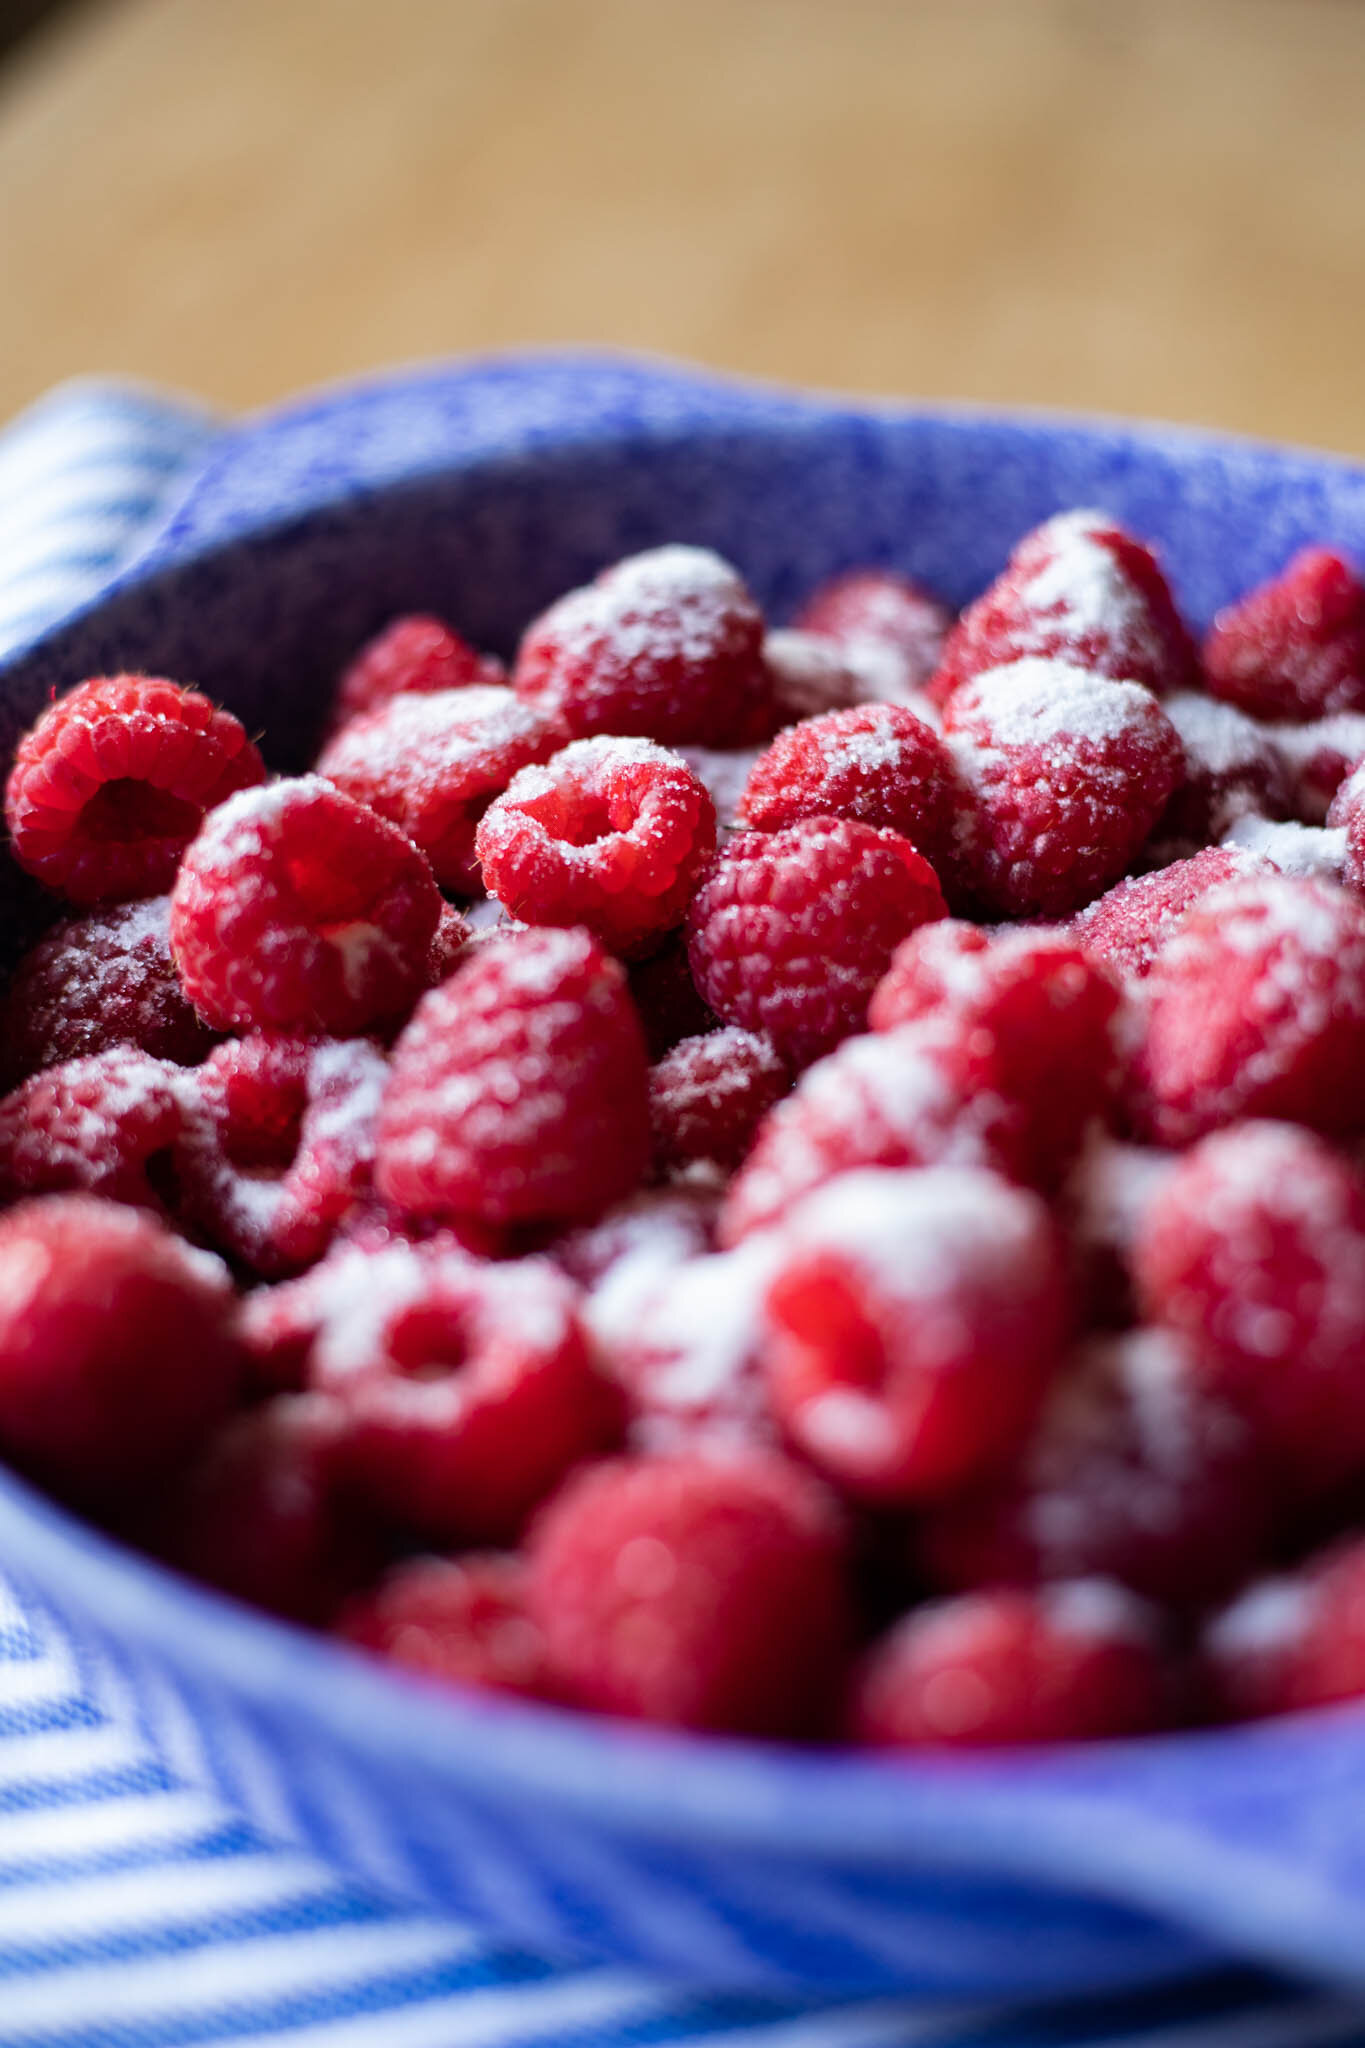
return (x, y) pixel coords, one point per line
(96, 982)
(413, 655)
(112, 783)
(96, 1125)
(432, 764)
(1255, 1008)
(297, 909)
(1103, 1203)
(448, 941)
(518, 1092)
(1070, 773)
(610, 834)
(708, 1096)
(694, 1591)
(1254, 1251)
(810, 675)
(1134, 1473)
(877, 762)
(1291, 1642)
(1047, 1012)
(790, 931)
(277, 1145)
(1065, 1663)
(1348, 814)
(891, 627)
(656, 1229)
(257, 1515)
(467, 1390)
(1078, 590)
(1316, 759)
(1232, 766)
(462, 1620)
(1293, 648)
(1127, 927)
(913, 1324)
(666, 998)
(664, 646)
(914, 1097)
(116, 1355)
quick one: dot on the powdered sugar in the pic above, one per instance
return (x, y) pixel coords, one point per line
(1038, 702)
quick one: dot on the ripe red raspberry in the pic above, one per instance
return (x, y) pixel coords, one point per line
(1316, 759)
(1232, 766)
(1067, 1663)
(257, 1513)
(1290, 1642)
(701, 1592)
(811, 675)
(278, 1145)
(1348, 814)
(297, 909)
(1048, 1012)
(914, 1322)
(1255, 1008)
(877, 762)
(1135, 1472)
(462, 1620)
(413, 655)
(95, 1125)
(891, 627)
(790, 931)
(113, 782)
(519, 1091)
(1293, 648)
(1127, 927)
(920, 1096)
(1254, 1251)
(467, 1390)
(452, 934)
(666, 997)
(1079, 590)
(96, 982)
(116, 1352)
(1070, 773)
(666, 645)
(610, 834)
(432, 764)
(708, 1096)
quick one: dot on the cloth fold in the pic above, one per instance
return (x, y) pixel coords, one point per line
(138, 1912)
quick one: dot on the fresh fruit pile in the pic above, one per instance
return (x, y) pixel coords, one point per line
(804, 1183)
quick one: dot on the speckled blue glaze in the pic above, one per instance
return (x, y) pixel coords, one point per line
(482, 491)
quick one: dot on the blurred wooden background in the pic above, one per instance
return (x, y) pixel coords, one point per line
(1147, 206)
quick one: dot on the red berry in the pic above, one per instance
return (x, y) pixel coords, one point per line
(467, 1389)
(697, 1591)
(1079, 590)
(1316, 759)
(1293, 648)
(1348, 814)
(658, 1228)
(112, 783)
(666, 645)
(610, 834)
(1291, 1642)
(877, 762)
(919, 1096)
(96, 982)
(1103, 1203)
(432, 764)
(1070, 773)
(95, 1125)
(462, 1620)
(790, 931)
(1127, 927)
(810, 675)
(518, 1092)
(708, 1095)
(1134, 1472)
(277, 1145)
(913, 1324)
(1065, 1663)
(413, 655)
(1255, 1008)
(1231, 767)
(297, 909)
(1254, 1251)
(889, 625)
(116, 1354)
(666, 997)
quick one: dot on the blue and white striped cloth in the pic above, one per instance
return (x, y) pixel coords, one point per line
(135, 1911)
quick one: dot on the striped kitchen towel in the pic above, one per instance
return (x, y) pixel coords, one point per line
(135, 1912)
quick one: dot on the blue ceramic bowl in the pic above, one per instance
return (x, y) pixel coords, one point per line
(482, 491)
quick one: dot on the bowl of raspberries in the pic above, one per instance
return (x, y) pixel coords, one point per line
(683, 1168)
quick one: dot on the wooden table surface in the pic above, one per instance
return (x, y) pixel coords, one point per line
(1143, 206)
